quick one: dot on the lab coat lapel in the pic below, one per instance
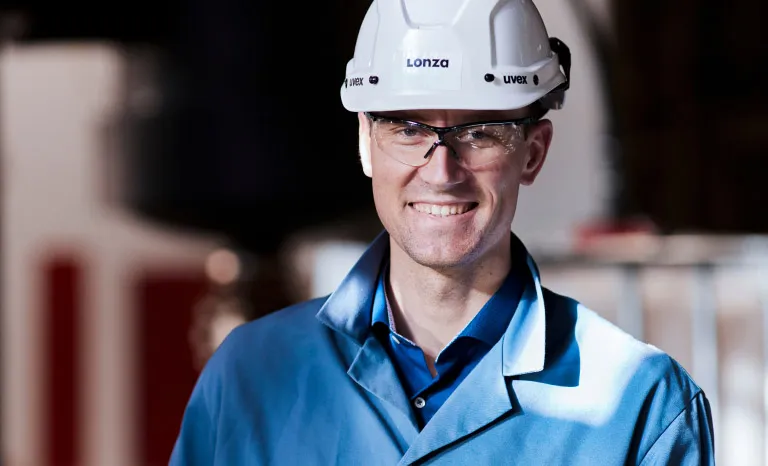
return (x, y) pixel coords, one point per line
(479, 400)
(373, 370)
(348, 312)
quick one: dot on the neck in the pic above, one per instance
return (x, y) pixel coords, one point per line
(432, 306)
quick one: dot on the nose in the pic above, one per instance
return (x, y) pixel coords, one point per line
(443, 169)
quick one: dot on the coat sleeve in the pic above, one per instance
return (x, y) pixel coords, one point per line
(688, 440)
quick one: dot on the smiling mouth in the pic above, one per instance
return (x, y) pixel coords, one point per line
(444, 210)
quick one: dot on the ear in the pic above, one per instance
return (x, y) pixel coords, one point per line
(539, 139)
(364, 143)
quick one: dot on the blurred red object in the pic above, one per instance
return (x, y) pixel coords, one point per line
(617, 237)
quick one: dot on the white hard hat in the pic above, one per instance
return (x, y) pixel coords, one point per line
(455, 54)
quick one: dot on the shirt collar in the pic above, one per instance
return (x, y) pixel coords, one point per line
(348, 310)
(382, 313)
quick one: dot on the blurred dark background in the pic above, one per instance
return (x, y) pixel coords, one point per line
(690, 83)
(252, 126)
(250, 138)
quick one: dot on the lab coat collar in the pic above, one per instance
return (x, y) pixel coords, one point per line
(348, 310)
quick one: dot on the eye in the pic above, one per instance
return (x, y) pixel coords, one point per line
(477, 135)
(409, 131)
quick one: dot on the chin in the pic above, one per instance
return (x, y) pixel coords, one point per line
(439, 254)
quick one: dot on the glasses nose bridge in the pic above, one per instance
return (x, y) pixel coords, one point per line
(442, 133)
(441, 140)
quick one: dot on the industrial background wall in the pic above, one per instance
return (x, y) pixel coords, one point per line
(243, 126)
(690, 81)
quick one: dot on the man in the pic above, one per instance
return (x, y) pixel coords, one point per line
(441, 346)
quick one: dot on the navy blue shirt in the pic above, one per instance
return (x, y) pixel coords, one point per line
(457, 359)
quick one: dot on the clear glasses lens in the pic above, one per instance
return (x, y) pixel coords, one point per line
(473, 146)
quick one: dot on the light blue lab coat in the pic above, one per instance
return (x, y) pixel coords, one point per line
(310, 385)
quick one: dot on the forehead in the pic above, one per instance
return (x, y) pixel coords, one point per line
(456, 117)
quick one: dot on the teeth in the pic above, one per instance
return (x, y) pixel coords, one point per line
(442, 210)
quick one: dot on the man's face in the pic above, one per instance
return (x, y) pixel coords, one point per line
(444, 214)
